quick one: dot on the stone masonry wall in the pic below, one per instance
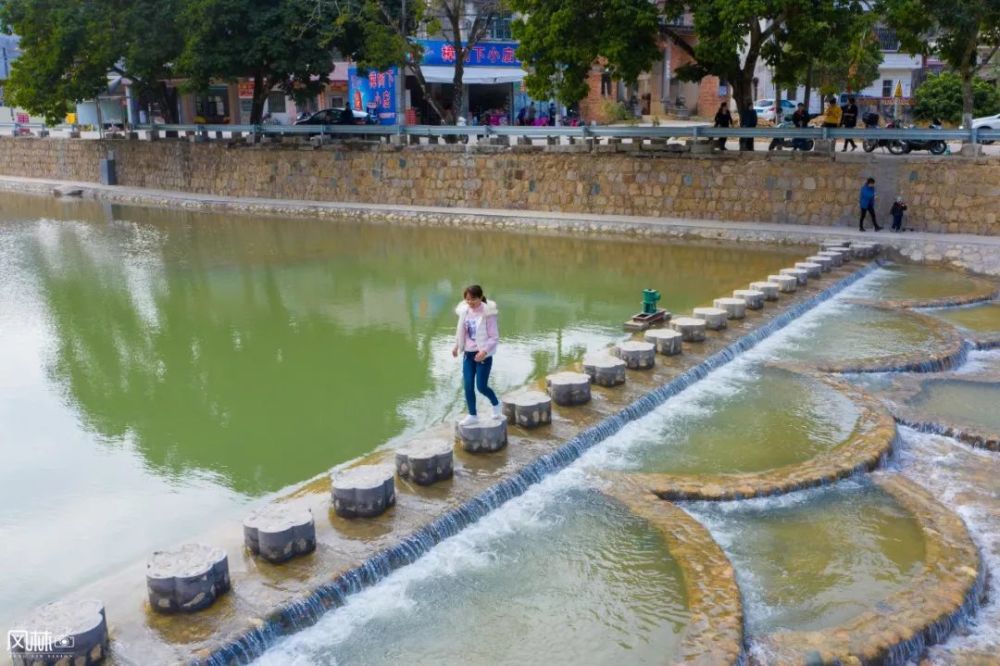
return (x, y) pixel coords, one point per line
(948, 194)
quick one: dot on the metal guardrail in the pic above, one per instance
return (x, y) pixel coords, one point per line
(581, 132)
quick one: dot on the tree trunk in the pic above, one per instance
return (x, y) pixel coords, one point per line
(167, 99)
(968, 97)
(809, 86)
(259, 97)
(743, 95)
(458, 90)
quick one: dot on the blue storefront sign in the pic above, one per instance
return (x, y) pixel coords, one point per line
(375, 93)
(484, 54)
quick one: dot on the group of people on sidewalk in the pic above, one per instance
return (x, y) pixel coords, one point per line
(834, 116)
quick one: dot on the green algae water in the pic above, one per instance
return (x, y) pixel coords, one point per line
(865, 334)
(560, 575)
(814, 560)
(981, 318)
(903, 282)
(960, 402)
(159, 370)
(765, 419)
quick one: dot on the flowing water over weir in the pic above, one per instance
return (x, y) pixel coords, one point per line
(890, 537)
(307, 612)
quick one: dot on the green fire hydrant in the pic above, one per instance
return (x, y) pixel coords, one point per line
(650, 297)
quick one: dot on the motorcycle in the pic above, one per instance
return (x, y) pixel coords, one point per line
(894, 146)
(779, 142)
(935, 146)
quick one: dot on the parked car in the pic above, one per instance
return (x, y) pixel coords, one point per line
(332, 117)
(765, 109)
(987, 123)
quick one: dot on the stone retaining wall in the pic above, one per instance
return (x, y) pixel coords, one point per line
(946, 194)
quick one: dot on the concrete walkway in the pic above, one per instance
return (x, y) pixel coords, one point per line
(980, 254)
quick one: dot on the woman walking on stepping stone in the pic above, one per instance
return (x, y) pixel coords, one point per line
(476, 337)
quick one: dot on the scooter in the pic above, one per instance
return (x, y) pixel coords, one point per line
(935, 146)
(894, 146)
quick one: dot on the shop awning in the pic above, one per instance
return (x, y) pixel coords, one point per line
(434, 74)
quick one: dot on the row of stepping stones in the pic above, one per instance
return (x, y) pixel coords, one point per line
(192, 576)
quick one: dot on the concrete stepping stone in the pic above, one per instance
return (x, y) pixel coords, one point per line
(798, 273)
(691, 329)
(569, 388)
(487, 435)
(637, 355)
(786, 283)
(835, 244)
(75, 632)
(715, 318)
(667, 341)
(528, 409)
(754, 298)
(769, 289)
(365, 491)
(280, 531)
(813, 270)
(864, 250)
(605, 369)
(836, 256)
(187, 578)
(736, 308)
(825, 263)
(426, 461)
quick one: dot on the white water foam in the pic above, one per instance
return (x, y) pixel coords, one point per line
(943, 466)
(536, 509)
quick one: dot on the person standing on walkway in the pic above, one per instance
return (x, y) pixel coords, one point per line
(476, 338)
(867, 202)
(849, 119)
(833, 114)
(723, 119)
(529, 118)
(748, 118)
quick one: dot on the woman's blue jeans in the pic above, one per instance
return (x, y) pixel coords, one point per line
(475, 374)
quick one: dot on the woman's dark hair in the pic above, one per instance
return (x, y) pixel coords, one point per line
(475, 291)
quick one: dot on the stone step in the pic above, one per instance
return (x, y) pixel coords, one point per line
(363, 492)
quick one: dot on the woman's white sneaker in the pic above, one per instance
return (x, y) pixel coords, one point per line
(469, 420)
(498, 411)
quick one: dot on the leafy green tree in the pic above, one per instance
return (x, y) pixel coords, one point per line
(836, 49)
(281, 45)
(955, 31)
(387, 27)
(560, 39)
(69, 47)
(940, 96)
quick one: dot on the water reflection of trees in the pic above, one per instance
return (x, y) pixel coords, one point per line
(226, 380)
(267, 350)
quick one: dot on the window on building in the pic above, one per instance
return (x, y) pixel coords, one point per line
(791, 94)
(887, 87)
(500, 27)
(276, 102)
